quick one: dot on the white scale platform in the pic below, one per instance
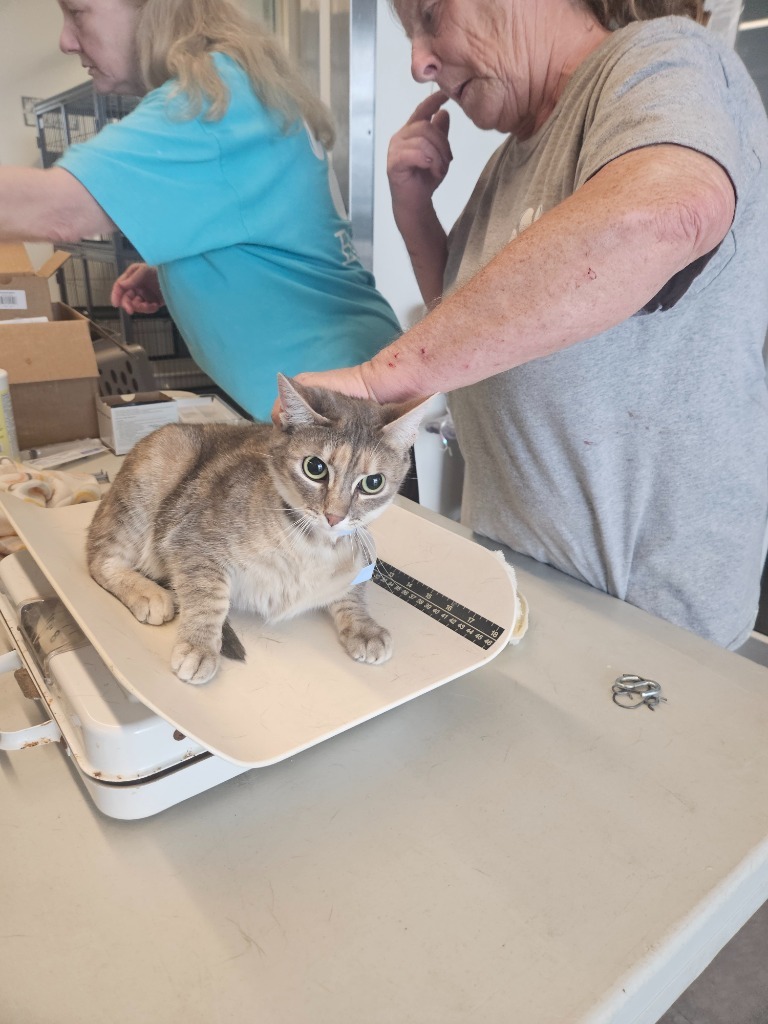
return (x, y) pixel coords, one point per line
(297, 686)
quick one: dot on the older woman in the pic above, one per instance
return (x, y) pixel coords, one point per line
(220, 178)
(603, 296)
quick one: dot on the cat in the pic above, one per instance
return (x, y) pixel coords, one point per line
(263, 517)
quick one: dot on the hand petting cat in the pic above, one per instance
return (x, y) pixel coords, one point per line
(356, 382)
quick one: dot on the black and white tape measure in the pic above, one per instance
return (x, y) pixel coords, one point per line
(455, 616)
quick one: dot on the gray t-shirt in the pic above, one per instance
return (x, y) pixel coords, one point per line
(637, 460)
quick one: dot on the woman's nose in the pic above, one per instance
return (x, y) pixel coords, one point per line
(424, 64)
(68, 40)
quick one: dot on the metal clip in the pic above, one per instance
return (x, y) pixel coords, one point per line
(631, 691)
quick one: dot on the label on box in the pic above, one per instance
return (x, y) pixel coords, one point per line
(11, 298)
(130, 429)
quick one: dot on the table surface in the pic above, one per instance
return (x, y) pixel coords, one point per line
(511, 847)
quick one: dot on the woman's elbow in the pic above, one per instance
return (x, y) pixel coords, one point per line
(72, 212)
(698, 221)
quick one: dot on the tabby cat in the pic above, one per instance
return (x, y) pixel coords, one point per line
(266, 518)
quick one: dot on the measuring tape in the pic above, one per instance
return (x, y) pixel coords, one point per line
(475, 628)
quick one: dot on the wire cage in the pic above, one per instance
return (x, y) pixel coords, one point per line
(74, 116)
(86, 285)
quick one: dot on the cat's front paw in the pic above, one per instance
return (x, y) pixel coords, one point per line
(371, 644)
(194, 664)
(151, 603)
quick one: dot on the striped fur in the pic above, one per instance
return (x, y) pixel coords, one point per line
(202, 518)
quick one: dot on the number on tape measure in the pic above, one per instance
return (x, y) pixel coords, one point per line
(462, 620)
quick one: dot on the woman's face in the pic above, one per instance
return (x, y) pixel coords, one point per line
(103, 35)
(480, 52)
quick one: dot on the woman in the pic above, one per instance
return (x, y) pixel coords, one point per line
(220, 179)
(602, 300)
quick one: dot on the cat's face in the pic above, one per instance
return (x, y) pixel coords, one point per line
(338, 461)
(338, 484)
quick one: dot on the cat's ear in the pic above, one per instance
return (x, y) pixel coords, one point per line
(404, 429)
(297, 411)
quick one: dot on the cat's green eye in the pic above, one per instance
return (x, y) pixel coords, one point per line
(372, 484)
(314, 468)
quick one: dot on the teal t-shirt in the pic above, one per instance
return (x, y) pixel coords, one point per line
(244, 222)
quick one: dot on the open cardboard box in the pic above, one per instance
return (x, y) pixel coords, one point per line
(125, 419)
(53, 377)
(24, 291)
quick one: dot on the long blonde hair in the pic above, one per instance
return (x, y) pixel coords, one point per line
(175, 40)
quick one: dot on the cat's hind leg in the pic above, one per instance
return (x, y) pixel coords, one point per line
(147, 600)
(361, 636)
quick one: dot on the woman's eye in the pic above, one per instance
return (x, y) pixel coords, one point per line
(314, 468)
(372, 484)
(429, 17)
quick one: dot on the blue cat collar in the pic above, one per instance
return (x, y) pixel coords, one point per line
(364, 575)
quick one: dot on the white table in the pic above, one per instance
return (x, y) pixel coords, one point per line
(510, 848)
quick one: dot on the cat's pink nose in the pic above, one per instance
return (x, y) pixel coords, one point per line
(332, 519)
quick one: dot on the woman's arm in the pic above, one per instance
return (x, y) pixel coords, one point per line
(47, 206)
(585, 266)
(417, 162)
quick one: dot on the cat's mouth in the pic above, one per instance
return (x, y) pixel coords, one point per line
(330, 526)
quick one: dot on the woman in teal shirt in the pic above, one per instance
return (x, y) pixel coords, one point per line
(221, 180)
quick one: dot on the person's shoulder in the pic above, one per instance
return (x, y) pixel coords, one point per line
(233, 75)
(243, 99)
(654, 51)
(227, 67)
(672, 33)
(675, 44)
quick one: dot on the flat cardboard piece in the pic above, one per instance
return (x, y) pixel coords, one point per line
(297, 686)
(14, 259)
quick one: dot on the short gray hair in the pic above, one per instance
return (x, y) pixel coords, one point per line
(617, 13)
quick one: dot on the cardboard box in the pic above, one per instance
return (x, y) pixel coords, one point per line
(125, 419)
(24, 291)
(53, 376)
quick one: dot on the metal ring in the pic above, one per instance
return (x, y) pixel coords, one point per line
(636, 700)
(631, 691)
(630, 683)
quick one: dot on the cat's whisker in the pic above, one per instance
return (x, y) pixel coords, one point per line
(366, 545)
(298, 531)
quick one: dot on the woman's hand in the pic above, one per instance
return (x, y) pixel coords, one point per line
(419, 157)
(349, 380)
(418, 161)
(137, 290)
